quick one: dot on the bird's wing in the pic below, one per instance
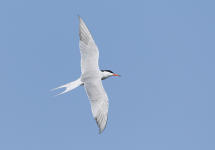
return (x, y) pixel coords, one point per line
(88, 49)
(91, 76)
(98, 100)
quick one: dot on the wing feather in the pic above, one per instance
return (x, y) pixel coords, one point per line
(84, 32)
(88, 49)
(91, 76)
(98, 100)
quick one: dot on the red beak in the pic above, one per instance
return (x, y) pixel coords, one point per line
(116, 75)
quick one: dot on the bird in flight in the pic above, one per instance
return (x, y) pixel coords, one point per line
(91, 77)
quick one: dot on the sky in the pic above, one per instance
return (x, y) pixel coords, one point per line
(164, 51)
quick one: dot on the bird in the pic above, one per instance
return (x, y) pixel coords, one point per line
(91, 77)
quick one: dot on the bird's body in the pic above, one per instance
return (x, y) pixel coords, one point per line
(91, 77)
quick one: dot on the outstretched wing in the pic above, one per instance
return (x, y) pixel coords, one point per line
(98, 100)
(91, 76)
(88, 49)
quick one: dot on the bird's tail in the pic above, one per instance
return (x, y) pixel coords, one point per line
(70, 86)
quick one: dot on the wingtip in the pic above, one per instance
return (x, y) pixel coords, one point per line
(101, 130)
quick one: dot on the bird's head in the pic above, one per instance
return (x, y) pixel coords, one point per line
(108, 73)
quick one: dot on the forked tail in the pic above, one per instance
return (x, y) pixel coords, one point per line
(70, 86)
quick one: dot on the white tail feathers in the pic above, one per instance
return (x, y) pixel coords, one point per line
(70, 86)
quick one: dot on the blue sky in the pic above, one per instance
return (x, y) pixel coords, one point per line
(164, 50)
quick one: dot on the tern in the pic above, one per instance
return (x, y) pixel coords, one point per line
(91, 77)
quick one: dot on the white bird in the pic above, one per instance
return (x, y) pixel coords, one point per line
(91, 77)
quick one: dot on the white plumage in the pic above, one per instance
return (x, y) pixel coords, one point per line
(91, 77)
